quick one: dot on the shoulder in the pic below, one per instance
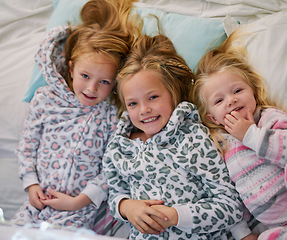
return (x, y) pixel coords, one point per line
(186, 111)
(272, 116)
(41, 94)
(108, 108)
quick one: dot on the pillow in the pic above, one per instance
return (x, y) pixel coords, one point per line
(191, 36)
(266, 43)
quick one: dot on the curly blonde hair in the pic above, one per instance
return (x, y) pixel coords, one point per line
(233, 58)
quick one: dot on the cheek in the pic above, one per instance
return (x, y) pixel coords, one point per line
(75, 85)
(133, 116)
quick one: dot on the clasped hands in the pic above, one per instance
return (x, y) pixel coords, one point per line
(57, 200)
(148, 216)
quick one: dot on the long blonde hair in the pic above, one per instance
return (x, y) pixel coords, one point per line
(157, 54)
(106, 28)
(227, 57)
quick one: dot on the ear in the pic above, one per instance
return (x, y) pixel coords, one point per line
(211, 118)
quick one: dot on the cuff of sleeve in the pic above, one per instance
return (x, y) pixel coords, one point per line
(117, 201)
(185, 216)
(29, 180)
(240, 230)
(249, 136)
(96, 194)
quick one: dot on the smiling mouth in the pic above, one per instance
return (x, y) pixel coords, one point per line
(237, 109)
(89, 97)
(150, 120)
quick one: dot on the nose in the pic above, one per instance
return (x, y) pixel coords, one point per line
(231, 100)
(145, 109)
(93, 86)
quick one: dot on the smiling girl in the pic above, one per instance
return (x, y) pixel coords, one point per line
(234, 104)
(165, 175)
(70, 121)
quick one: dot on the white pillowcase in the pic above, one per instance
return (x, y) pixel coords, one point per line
(267, 49)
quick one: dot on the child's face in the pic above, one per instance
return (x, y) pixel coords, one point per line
(226, 92)
(148, 101)
(93, 78)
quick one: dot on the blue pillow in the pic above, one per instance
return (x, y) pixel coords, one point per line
(192, 36)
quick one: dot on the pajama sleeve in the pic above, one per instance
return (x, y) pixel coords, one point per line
(269, 142)
(118, 184)
(220, 207)
(29, 143)
(97, 188)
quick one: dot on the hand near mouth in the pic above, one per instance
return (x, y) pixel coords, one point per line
(237, 125)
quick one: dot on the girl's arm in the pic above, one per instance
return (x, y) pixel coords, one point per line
(219, 206)
(269, 139)
(137, 212)
(96, 189)
(29, 144)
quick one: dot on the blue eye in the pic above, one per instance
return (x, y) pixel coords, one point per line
(85, 76)
(105, 82)
(153, 97)
(132, 104)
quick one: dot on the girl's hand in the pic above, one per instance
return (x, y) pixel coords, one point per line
(36, 195)
(171, 214)
(64, 202)
(237, 125)
(141, 215)
(250, 237)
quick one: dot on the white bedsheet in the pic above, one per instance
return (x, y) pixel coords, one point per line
(22, 25)
(245, 11)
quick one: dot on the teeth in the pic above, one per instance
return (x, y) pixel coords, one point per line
(150, 120)
(236, 109)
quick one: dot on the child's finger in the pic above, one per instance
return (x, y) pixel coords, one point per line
(250, 116)
(145, 228)
(53, 193)
(154, 225)
(159, 214)
(42, 195)
(153, 202)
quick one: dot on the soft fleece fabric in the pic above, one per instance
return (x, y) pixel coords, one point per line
(257, 165)
(63, 142)
(179, 165)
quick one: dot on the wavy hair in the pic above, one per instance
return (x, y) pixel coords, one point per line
(157, 54)
(106, 28)
(233, 58)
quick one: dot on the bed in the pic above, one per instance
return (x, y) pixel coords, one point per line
(193, 25)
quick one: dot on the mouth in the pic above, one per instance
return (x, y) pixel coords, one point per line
(150, 119)
(237, 109)
(89, 97)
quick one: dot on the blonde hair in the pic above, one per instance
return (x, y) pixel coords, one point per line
(157, 54)
(231, 58)
(106, 28)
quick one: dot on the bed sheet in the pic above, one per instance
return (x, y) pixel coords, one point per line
(22, 26)
(245, 11)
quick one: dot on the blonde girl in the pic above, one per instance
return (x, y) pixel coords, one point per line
(235, 106)
(164, 173)
(70, 121)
